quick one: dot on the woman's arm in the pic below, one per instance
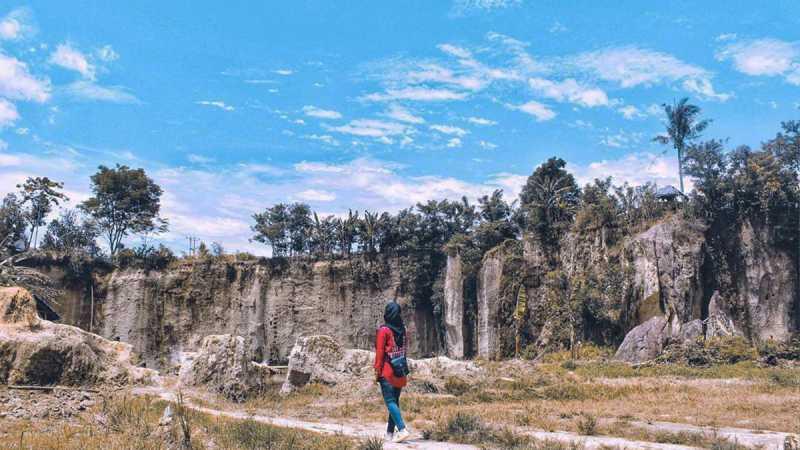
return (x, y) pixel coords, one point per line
(380, 347)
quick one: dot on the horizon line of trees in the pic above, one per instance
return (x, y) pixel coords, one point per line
(729, 185)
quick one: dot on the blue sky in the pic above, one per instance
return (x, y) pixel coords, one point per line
(233, 107)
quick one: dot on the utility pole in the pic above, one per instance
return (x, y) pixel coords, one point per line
(193, 240)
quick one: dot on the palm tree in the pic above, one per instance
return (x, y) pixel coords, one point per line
(682, 127)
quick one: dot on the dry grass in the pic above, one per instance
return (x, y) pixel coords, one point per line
(552, 398)
(132, 424)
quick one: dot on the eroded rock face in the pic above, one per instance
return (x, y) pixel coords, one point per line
(667, 278)
(38, 352)
(225, 365)
(489, 285)
(454, 307)
(767, 286)
(644, 342)
(166, 313)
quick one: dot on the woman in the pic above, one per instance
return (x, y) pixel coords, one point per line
(391, 343)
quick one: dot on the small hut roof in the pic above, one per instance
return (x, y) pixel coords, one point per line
(668, 192)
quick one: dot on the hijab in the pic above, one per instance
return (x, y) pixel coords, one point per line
(394, 321)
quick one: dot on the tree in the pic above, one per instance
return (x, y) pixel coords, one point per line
(125, 201)
(12, 223)
(41, 194)
(550, 197)
(299, 228)
(272, 228)
(683, 127)
(70, 233)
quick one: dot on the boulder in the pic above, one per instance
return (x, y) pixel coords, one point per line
(34, 351)
(320, 359)
(644, 342)
(225, 365)
(690, 332)
(719, 322)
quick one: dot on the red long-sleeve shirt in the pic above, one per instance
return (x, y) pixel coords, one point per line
(384, 344)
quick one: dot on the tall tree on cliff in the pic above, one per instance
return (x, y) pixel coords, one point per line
(683, 127)
(125, 201)
(272, 228)
(12, 223)
(40, 194)
(549, 198)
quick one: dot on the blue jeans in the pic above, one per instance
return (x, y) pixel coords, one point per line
(391, 396)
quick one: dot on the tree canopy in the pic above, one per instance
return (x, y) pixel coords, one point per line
(125, 201)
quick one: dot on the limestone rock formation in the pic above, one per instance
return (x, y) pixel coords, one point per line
(666, 263)
(38, 352)
(719, 322)
(644, 342)
(320, 359)
(767, 286)
(270, 303)
(454, 307)
(224, 364)
(489, 285)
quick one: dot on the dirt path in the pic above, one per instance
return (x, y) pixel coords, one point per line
(767, 440)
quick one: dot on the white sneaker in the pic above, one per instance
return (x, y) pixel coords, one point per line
(389, 437)
(401, 435)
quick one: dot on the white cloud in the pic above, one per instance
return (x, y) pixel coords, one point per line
(22, 131)
(481, 121)
(313, 111)
(401, 114)
(325, 138)
(199, 159)
(16, 25)
(458, 52)
(87, 90)
(569, 90)
(538, 110)
(635, 169)
(422, 94)
(284, 72)
(655, 110)
(557, 27)
(765, 57)
(299, 121)
(726, 37)
(8, 113)
(314, 195)
(621, 139)
(216, 103)
(633, 66)
(487, 145)
(73, 59)
(448, 129)
(106, 53)
(454, 143)
(630, 112)
(17, 83)
(464, 7)
(370, 128)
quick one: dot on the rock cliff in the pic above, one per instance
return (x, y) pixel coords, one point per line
(596, 286)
